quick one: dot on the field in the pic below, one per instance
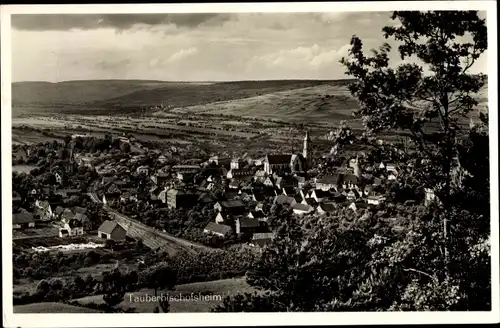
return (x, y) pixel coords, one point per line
(215, 288)
(50, 307)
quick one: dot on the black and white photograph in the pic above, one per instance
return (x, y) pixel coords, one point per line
(258, 159)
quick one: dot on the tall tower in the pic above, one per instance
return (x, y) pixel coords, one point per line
(305, 152)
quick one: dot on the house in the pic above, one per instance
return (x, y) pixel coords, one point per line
(358, 205)
(111, 230)
(310, 201)
(234, 207)
(71, 228)
(161, 194)
(205, 198)
(328, 182)
(325, 208)
(162, 159)
(43, 210)
(78, 209)
(300, 209)
(16, 198)
(240, 173)
(143, 169)
(277, 163)
(259, 215)
(23, 220)
(284, 200)
(221, 161)
(268, 182)
(68, 192)
(262, 239)
(260, 175)
(58, 212)
(237, 163)
(350, 181)
(59, 177)
(223, 217)
(352, 195)
(67, 215)
(178, 198)
(220, 230)
(20, 154)
(392, 177)
(108, 180)
(381, 166)
(377, 182)
(285, 182)
(246, 225)
(368, 190)
(84, 220)
(390, 167)
(300, 181)
(289, 191)
(160, 178)
(234, 184)
(430, 197)
(258, 196)
(375, 200)
(319, 195)
(231, 194)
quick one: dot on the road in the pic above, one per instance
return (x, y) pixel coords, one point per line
(158, 238)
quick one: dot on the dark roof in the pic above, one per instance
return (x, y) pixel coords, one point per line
(81, 217)
(230, 194)
(377, 181)
(59, 210)
(311, 201)
(331, 179)
(248, 223)
(361, 205)
(351, 178)
(259, 196)
(302, 207)
(262, 239)
(321, 193)
(67, 214)
(109, 226)
(78, 209)
(290, 191)
(241, 172)
(282, 199)
(278, 159)
(327, 207)
(235, 183)
(232, 203)
(300, 179)
(258, 214)
(263, 235)
(21, 218)
(220, 228)
(73, 223)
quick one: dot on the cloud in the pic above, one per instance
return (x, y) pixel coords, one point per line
(65, 22)
(314, 57)
(182, 54)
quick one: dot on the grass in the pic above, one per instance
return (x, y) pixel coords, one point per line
(217, 288)
(51, 307)
(118, 95)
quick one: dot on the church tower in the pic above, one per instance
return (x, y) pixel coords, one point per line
(305, 152)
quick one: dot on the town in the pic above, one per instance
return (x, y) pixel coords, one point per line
(370, 192)
(238, 194)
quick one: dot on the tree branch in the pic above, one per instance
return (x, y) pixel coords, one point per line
(421, 272)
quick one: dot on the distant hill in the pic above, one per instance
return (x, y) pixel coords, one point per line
(74, 96)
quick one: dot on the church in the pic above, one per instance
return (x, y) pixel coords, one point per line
(293, 163)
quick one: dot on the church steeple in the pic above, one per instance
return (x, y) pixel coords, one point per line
(305, 151)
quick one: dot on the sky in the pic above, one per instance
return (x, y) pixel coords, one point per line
(191, 47)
